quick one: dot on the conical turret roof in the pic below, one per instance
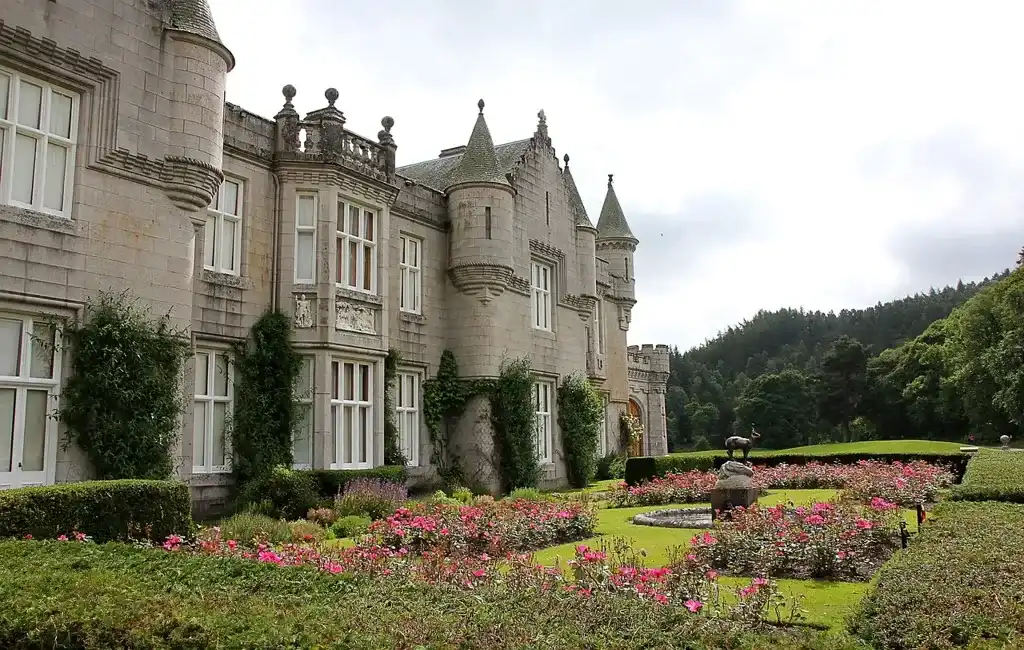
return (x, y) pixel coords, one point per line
(575, 201)
(612, 224)
(478, 164)
(195, 17)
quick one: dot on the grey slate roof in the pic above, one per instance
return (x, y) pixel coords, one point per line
(575, 201)
(478, 162)
(195, 17)
(438, 173)
(612, 224)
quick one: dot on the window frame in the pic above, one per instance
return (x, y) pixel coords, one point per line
(543, 390)
(409, 415)
(344, 240)
(23, 382)
(602, 448)
(359, 405)
(541, 305)
(305, 230)
(211, 398)
(305, 402)
(599, 325)
(10, 129)
(214, 240)
(410, 275)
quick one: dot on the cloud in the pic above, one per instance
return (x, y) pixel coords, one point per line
(767, 154)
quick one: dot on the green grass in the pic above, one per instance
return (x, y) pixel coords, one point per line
(866, 447)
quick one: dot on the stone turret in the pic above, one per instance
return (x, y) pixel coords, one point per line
(199, 64)
(616, 243)
(480, 208)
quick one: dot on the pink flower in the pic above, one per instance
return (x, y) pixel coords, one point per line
(28, 536)
(232, 544)
(479, 573)
(62, 538)
(815, 520)
(693, 605)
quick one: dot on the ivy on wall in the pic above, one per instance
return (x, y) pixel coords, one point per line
(123, 401)
(267, 371)
(392, 450)
(512, 414)
(444, 398)
(580, 412)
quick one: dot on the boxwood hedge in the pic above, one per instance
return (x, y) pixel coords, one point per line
(993, 475)
(104, 510)
(959, 584)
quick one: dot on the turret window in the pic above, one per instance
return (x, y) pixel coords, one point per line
(542, 274)
(38, 133)
(411, 275)
(222, 245)
(305, 238)
(487, 221)
(357, 248)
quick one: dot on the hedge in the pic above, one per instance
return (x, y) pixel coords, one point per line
(959, 584)
(330, 482)
(643, 469)
(104, 510)
(60, 595)
(993, 475)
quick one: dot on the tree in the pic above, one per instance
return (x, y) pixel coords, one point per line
(781, 407)
(702, 418)
(842, 380)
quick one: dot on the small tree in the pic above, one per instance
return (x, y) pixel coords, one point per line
(580, 412)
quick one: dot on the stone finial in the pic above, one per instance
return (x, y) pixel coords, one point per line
(541, 117)
(480, 105)
(385, 135)
(566, 159)
(610, 179)
(332, 96)
(289, 94)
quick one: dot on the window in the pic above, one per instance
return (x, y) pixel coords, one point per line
(412, 283)
(29, 379)
(351, 415)
(302, 436)
(602, 447)
(305, 238)
(547, 207)
(627, 269)
(357, 248)
(542, 392)
(222, 248)
(599, 326)
(408, 407)
(38, 130)
(541, 296)
(213, 400)
(487, 221)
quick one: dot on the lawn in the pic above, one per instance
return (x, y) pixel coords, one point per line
(866, 447)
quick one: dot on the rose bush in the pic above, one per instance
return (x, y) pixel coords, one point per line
(688, 487)
(839, 540)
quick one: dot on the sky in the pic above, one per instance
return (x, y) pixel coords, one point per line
(785, 153)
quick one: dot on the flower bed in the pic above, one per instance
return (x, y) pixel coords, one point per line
(494, 527)
(903, 483)
(837, 540)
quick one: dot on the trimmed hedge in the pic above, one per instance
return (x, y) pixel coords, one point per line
(104, 510)
(993, 475)
(329, 482)
(959, 584)
(68, 596)
(644, 470)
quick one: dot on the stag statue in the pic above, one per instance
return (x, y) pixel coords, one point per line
(732, 443)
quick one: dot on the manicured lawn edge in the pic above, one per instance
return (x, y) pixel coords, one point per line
(993, 475)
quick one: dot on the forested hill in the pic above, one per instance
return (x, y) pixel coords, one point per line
(707, 381)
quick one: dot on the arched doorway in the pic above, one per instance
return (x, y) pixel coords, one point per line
(636, 447)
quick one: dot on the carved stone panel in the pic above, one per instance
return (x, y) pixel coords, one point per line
(355, 318)
(303, 312)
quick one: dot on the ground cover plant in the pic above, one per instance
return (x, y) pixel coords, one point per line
(993, 475)
(958, 585)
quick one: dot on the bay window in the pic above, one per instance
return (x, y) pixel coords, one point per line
(356, 248)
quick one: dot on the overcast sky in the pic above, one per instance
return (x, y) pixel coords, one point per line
(767, 153)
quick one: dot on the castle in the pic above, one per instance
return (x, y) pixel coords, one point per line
(123, 168)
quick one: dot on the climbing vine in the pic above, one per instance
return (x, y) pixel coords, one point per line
(631, 431)
(512, 414)
(580, 412)
(392, 449)
(122, 401)
(444, 398)
(267, 371)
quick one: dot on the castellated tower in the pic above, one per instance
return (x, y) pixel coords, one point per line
(648, 375)
(480, 212)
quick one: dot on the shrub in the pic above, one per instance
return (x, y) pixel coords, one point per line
(122, 399)
(251, 529)
(512, 416)
(322, 516)
(611, 466)
(530, 494)
(290, 494)
(370, 497)
(350, 526)
(306, 532)
(958, 585)
(462, 495)
(105, 510)
(993, 475)
(580, 412)
(701, 443)
(331, 482)
(691, 487)
(640, 469)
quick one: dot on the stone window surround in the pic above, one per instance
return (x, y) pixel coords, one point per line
(212, 349)
(305, 400)
(410, 413)
(21, 384)
(545, 419)
(410, 274)
(304, 230)
(599, 328)
(218, 217)
(373, 242)
(366, 406)
(9, 129)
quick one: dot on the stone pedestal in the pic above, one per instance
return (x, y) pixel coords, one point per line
(735, 487)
